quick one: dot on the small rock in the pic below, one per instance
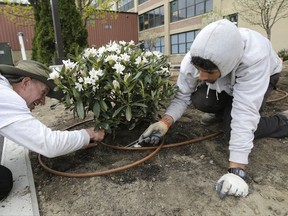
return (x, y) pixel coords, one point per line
(258, 179)
(280, 199)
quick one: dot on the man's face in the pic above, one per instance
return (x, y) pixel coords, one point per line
(208, 76)
(33, 92)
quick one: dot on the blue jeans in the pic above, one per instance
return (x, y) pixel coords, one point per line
(275, 126)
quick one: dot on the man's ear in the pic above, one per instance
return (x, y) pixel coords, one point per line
(25, 82)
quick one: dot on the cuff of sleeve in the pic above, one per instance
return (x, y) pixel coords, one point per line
(86, 137)
(239, 157)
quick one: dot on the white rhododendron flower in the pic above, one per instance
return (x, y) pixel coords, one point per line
(95, 87)
(80, 80)
(119, 82)
(95, 74)
(100, 51)
(141, 60)
(131, 42)
(111, 58)
(114, 47)
(54, 75)
(157, 53)
(88, 80)
(90, 52)
(138, 60)
(79, 86)
(69, 65)
(116, 84)
(123, 43)
(148, 53)
(126, 76)
(165, 69)
(119, 68)
(124, 57)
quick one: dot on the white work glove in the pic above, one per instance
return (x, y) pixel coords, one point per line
(231, 184)
(154, 133)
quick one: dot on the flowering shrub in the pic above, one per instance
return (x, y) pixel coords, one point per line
(120, 83)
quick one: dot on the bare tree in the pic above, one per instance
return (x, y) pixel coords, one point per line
(150, 40)
(212, 16)
(22, 14)
(17, 13)
(264, 13)
(96, 9)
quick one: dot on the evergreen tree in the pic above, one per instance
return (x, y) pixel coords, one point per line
(43, 44)
(74, 34)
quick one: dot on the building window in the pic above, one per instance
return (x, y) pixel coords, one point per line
(157, 44)
(107, 26)
(141, 1)
(125, 5)
(160, 45)
(182, 9)
(151, 18)
(181, 43)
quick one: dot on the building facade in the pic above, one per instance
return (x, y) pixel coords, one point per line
(170, 26)
(120, 26)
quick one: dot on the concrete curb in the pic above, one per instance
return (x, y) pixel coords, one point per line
(22, 200)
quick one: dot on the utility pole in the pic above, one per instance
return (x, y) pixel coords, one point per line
(57, 31)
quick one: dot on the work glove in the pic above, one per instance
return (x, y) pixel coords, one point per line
(154, 133)
(231, 184)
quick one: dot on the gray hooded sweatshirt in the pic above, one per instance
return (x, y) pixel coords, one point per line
(246, 61)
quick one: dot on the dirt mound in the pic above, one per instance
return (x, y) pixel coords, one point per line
(176, 181)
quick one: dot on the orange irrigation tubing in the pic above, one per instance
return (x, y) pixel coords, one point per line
(166, 145)
(99, 173)
(280, 98)
(110, 171)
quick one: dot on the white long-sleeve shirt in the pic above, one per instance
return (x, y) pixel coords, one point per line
(18, 125)
(246, 61)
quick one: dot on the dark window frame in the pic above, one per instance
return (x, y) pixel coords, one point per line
(151, 19)
(182, 46)
(127, 5)
(183, 9)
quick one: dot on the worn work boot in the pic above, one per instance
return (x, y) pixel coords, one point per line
(211, 118)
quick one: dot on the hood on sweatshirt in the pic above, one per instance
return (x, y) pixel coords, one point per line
(221, 43)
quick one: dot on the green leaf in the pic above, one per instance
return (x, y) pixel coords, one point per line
(80, 109)
(76, 94)
(139, 104)
(117, 111)
(67, 100)
(96, 109)
(137, 76)
(128, 113)
(103, 105)
(105, 126)
(131, 88)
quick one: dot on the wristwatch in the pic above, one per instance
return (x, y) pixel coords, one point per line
(238, 171)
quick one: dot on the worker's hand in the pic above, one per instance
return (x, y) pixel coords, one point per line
(154, 133)
(97, 135)
(231, 184)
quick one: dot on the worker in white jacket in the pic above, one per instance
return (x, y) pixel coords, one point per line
(230, 72)
(22, 88)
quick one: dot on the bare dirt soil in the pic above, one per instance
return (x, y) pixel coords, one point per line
(178, 181)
